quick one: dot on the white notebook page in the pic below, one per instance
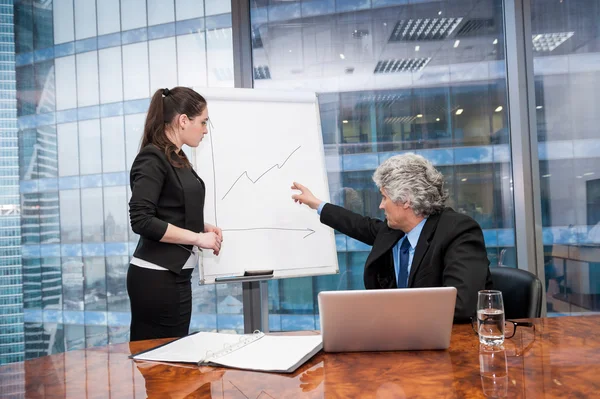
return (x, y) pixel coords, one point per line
(273, 353)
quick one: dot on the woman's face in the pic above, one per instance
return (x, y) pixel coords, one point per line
(193, 130)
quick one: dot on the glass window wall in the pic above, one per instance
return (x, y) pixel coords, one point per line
(393, 77)
(566, 66)
(84, 73)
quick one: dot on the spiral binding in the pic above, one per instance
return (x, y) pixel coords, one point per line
(227, 349)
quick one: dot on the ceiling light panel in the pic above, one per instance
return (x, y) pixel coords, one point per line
(402, 65)
(262, 72)
(550, 41)
(382, 100)
(394, 120)
(423, 29)
(475, 27)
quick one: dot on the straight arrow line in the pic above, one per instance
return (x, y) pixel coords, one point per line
(273, 228)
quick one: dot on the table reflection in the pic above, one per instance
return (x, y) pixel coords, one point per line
(323, 376)
(559, 358)
(312, 378)
(244, 384)
(493, 370)
(417, 374)
(521, 343)
(178, 381)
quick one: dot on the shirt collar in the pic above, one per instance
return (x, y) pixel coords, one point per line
(415, 233)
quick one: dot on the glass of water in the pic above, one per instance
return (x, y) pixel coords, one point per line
(490, 317)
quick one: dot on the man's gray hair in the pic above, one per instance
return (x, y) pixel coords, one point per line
(413, 179)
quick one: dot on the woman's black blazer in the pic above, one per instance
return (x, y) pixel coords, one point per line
(162, 194)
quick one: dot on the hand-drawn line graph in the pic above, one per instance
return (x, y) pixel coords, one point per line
(274, 228)
(245, 173)
(211, 130)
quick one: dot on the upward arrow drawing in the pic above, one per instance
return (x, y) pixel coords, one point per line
(245, 173)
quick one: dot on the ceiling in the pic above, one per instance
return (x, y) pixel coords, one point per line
(408, 45)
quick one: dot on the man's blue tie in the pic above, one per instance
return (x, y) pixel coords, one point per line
(403, 273)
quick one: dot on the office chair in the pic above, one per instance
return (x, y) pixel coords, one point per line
(521, 292)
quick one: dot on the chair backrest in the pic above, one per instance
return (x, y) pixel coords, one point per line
(521, 292)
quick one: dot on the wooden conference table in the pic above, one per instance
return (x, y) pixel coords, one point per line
(560, 360)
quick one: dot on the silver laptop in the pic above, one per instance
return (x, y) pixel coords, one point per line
(387, 320)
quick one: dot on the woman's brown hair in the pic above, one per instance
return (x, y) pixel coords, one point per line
(165, 106)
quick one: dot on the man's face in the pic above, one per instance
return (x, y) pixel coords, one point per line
(395, 213)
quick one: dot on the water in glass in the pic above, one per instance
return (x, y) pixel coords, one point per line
(490, 326)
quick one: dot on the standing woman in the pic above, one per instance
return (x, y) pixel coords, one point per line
(167, 211)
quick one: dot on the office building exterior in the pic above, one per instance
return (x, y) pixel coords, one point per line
(392, 76)
(85, 72)
(12, 338)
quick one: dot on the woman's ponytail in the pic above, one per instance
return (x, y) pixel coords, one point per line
(154, 128)
(165, 106)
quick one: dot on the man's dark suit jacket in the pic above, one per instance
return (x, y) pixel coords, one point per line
(162, 194)
(450, 253)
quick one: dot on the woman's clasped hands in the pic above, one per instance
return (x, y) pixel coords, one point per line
(211, 238)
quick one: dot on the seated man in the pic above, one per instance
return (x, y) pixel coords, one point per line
(421, 243)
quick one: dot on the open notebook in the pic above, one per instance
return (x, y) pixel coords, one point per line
(258, 351)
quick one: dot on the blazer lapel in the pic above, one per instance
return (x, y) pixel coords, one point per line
(423, 246)
(383, 247)
(384, 243)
